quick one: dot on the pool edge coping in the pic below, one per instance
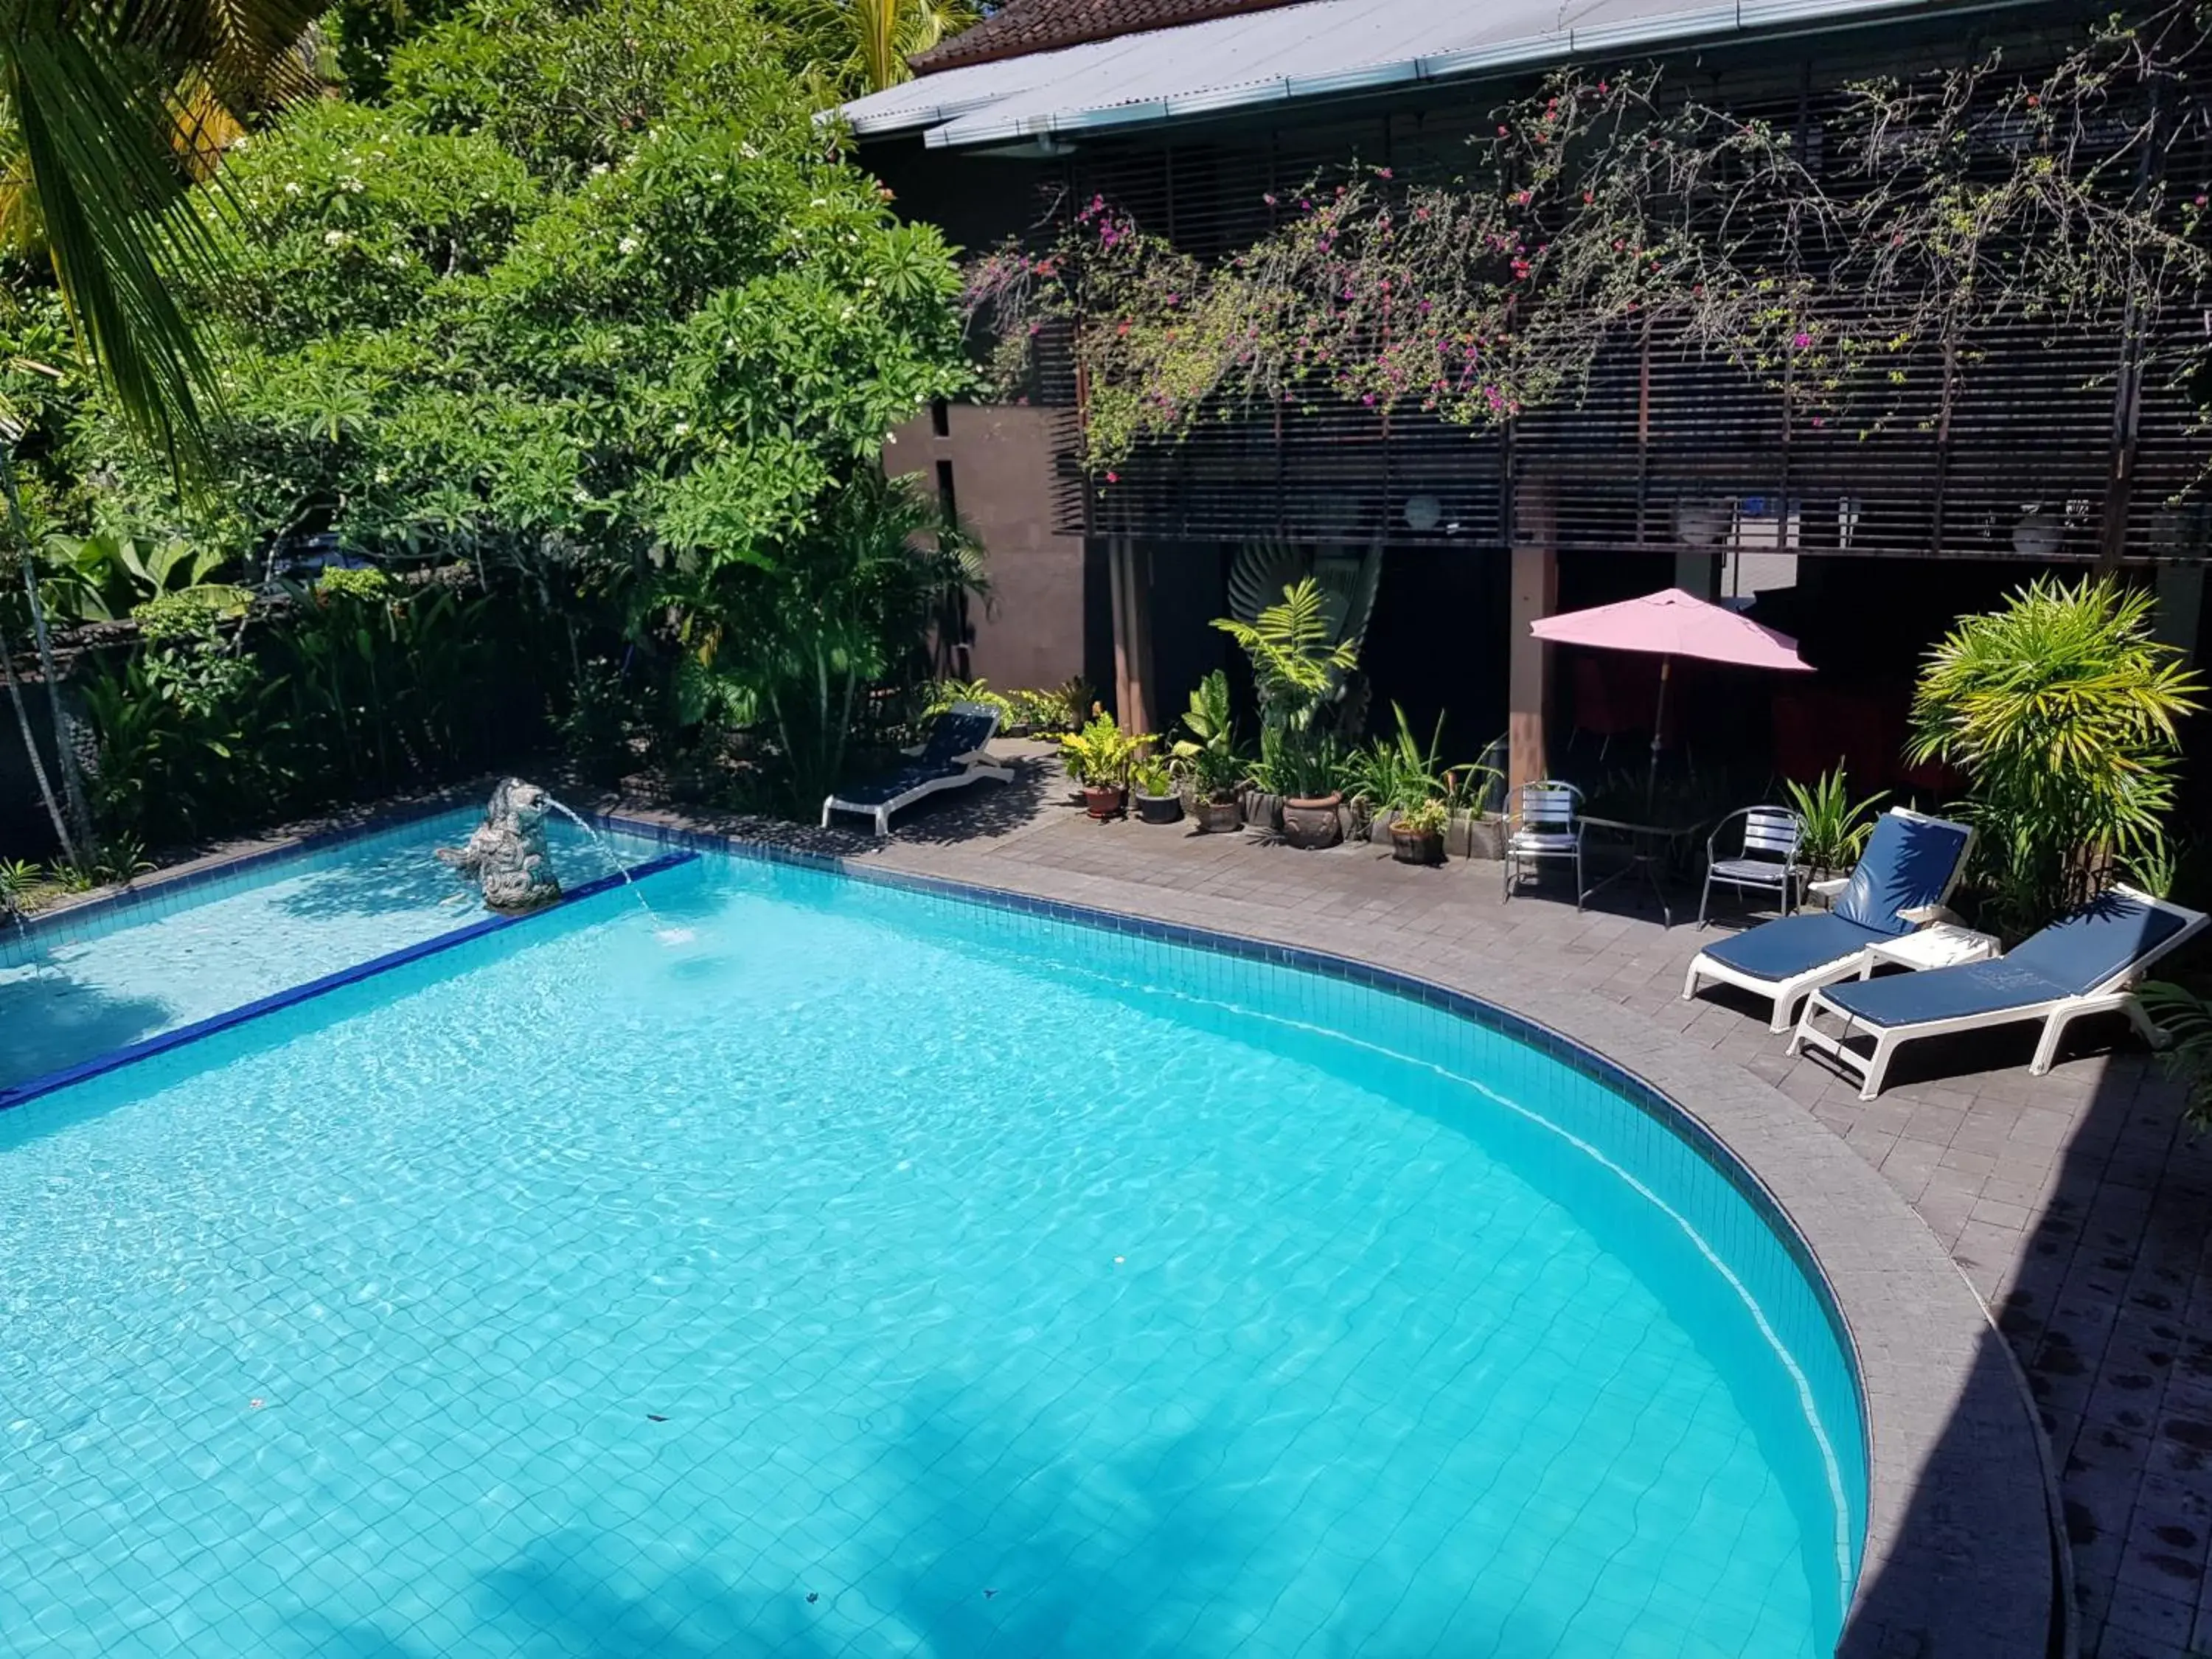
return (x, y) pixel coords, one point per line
(1908, 1394)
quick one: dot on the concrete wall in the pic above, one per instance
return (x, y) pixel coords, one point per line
(998, 463)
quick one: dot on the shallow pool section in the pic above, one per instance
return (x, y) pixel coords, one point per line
(857, 1271)
(73, 987)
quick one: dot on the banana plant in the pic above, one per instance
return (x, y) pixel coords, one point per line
(108, 575)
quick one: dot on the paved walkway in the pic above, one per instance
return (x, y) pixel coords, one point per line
(2075, 1203)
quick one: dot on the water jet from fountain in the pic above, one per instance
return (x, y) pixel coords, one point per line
(666, 934)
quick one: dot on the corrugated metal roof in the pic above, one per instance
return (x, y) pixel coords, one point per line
(1320, 48)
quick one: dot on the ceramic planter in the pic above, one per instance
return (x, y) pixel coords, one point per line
(1217, 818)
(1102, 802)
(1261, 812)
(1159, 809)
(1417, 846)
(1477, 835)
(1313, 822)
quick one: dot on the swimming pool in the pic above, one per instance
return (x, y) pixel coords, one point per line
(81, 984)
(868, 1271)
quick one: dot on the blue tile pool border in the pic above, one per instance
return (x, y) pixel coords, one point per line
(162, 1042)
(1708, 1147)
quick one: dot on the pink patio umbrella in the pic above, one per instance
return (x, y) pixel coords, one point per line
(1667, 625)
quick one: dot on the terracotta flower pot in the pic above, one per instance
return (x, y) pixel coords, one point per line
(1218, 817)
(1314, 821)
(1416, 846)
(1102, 802)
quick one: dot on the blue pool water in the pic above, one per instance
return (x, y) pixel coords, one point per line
(74, 988)
(870, 1273)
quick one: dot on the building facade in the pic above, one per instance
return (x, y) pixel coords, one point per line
(2031, 443)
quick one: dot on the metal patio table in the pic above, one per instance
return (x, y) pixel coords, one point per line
(1649, 845)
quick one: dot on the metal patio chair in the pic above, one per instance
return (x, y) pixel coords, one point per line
(1545, 822)
(1766, 858)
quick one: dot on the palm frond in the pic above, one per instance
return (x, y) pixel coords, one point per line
(882, 34)
(2186, 1019)
(118, 229)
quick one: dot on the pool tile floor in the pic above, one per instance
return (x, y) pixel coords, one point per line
(2076, 1203)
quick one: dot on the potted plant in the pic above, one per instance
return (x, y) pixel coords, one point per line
(1400, 778)
(1417, 835)
(1153, 788)
(1207, 761)
(1834, 827)
(1302, 771)
(1101, 757)
(1298, 670)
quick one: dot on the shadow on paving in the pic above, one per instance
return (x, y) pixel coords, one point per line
(2098, 1281)
(2107, 1308)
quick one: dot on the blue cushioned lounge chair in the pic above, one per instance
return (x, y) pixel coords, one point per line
(1911, 864)
(953, 758)
(2083, 964)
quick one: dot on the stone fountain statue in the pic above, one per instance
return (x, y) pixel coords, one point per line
(505, 855)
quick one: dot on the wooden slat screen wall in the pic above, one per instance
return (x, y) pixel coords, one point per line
(2033, 420)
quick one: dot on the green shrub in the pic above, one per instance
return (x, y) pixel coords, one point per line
(2061, 709)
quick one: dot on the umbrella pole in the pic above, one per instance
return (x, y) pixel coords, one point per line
(1658, 724)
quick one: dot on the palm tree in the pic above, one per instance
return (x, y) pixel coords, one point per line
(877, 36)
(2063, 709)
(109, 109)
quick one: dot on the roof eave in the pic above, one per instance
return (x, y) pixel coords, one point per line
(1702, 26)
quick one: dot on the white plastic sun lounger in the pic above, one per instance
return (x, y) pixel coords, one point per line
(953, 758)
(2084, 963)
(1911, 864)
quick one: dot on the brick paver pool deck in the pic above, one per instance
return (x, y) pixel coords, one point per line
(2076, 1204)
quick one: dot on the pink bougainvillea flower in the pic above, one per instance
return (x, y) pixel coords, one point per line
(1113, 477)
(1801, 340)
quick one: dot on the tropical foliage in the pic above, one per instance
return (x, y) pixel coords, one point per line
(2183, 1014)
(107, 114)
(1400, 774)
(586, 340)
(1298, 670)
(865, 44)
(1209, 758)
(2061, 708)
(1101, 755)
(1833, 828)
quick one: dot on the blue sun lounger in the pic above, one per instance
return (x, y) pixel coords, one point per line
(1911, 864)
(953, 758)
(2083, 964)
